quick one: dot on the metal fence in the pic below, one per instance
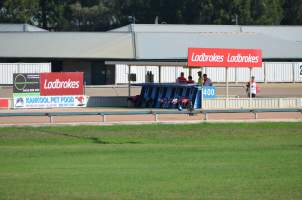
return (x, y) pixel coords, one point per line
(252, 103)
(155, 114)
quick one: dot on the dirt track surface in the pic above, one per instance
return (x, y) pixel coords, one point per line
(137, 119)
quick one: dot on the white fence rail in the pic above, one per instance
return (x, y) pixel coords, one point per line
(253, 103)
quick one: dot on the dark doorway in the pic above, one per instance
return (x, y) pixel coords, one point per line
(103, 74)
(56, 66)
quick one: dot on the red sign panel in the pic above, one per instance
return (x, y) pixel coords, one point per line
(3, 103)
(65, 83)
(217, 57)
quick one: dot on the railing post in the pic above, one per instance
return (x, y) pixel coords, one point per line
(255, 115)
(103, 118)
(264, 71)
(293, 71)
(205, 116)
(50, 118)
(155, 117)
(280, 103)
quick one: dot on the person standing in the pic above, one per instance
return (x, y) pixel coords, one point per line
(181, 79)
(206, 80)
(251, 87)
(200, 79)
(190, 80)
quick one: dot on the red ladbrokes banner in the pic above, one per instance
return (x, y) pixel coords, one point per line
(58, 84)
(217, 57)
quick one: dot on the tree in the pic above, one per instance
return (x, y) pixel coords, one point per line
(90, 18)
(292, 12)
(266, 12)
(51, 14)
(19, 11)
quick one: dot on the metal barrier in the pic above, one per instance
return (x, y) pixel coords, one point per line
(102, 114)
(252, 103)
(254, 111)
(154, 113)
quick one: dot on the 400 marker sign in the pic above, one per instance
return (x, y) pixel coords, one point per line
(26, 83)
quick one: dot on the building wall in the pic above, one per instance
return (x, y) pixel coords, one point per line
(270, 72)
(78, 66)
(8, 69)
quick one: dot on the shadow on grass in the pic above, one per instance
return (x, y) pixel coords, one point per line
(94, 140)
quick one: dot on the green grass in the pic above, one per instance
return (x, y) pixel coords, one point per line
(201, 161)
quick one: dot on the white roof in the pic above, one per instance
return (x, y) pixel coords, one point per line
(175, 45)
(66, 45)
(19, 28)
(152, 42)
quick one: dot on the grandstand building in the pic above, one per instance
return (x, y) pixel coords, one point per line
(108, 57)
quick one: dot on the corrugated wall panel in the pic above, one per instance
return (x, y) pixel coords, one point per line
(140, 72)
(8, 69)
(275, 72)
(279, 72)
(34, 67)
(232, 74)
(215, 74)
(155, 71)
(258, 73)
(298, 72)
(243, 74)
(168, 74)
(121, 74)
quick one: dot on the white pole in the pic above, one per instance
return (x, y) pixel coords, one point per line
(227, 82)
(250, 82)
(159, 74)
(129, 82)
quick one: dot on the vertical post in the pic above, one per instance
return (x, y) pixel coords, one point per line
(103, 117)
(205, 116)
(227, 82)
(250, 83)
(50, 118)
(156, 117)
(190, 71)
(159, 74)
(255, 115)
(129, 82)
(294, 74)
(236, 75)
(264, 69)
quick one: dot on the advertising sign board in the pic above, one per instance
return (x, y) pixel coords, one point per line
(49, 101)
(67, 83)
(219, 57)
(209, 92)
(26, 83)
(48, 90)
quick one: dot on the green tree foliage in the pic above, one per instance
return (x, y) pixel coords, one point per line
(90, 17)
(100, 15)
(292, 12)
(266, 12)
(18, 11)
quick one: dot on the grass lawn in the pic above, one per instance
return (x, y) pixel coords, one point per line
(255, 161)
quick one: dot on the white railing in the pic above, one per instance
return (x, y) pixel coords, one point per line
(247, 103)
